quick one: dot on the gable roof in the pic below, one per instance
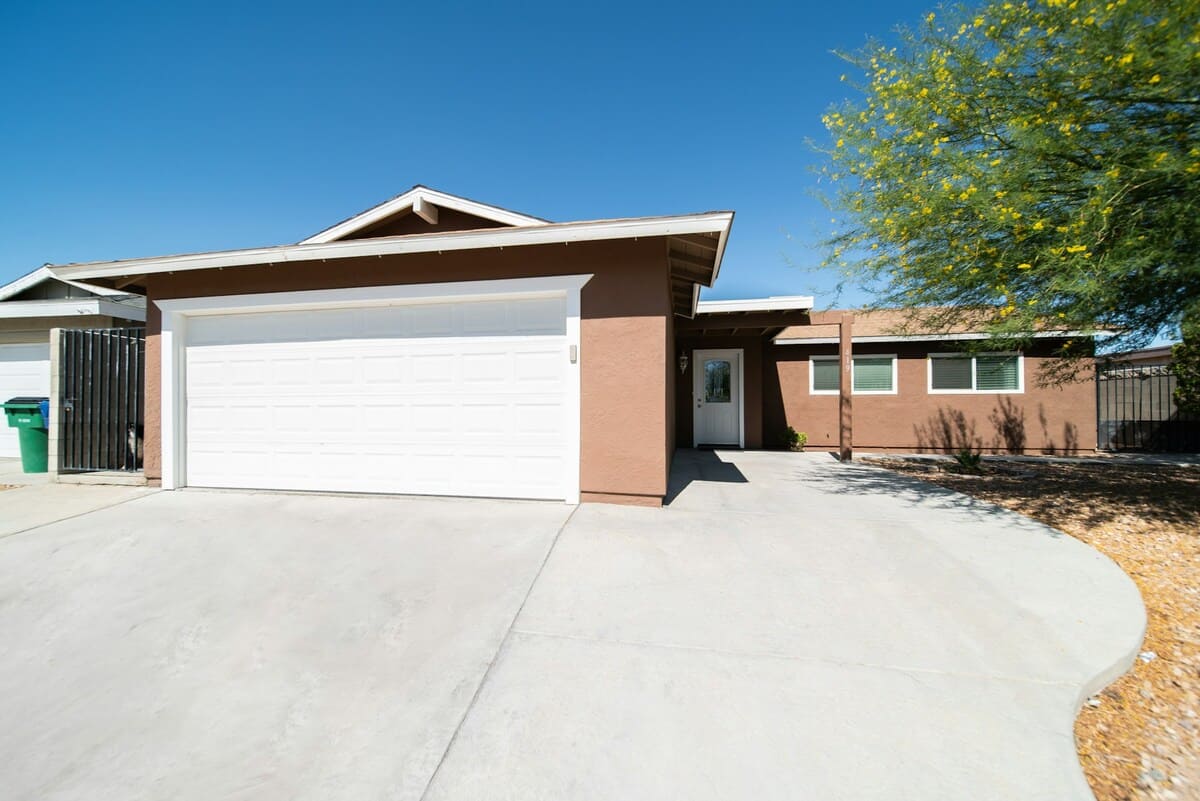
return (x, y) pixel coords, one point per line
(32, 279)
(424, 202)
(696, 247)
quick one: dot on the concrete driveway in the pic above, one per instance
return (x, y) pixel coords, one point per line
(787, 628)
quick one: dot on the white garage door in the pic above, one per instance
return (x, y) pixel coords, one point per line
(450, 398)
(24, 371)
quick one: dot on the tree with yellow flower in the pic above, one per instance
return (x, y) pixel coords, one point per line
(1040, 159)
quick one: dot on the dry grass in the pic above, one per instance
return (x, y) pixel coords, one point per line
(1140, 737)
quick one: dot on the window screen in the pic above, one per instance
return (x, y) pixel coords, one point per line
(825, 373)
(873, 374)
(996, 373)
(950, 372)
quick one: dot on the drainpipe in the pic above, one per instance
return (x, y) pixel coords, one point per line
(845, 417)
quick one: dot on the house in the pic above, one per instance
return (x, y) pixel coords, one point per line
(1138, 407)
(917, 390)
(1157, 356)
(33, 304)
(437, 345)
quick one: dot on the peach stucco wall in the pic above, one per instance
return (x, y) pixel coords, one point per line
(624, 436)
(1039, 420)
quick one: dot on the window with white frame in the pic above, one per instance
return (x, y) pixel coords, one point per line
(870, 375)
(989, 372)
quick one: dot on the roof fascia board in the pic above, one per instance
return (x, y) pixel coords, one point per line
(410, 199)
(932, 337)
(70, 307)
(790, 303)
(550, 233)
(25, 282)
(722, 239)
(44, 274)
(98, 290)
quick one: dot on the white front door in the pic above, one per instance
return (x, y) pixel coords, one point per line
(24, 372)
(717, 396)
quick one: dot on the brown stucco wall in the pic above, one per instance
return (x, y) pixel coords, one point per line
(752, 381)
(1039, 420)
(624, 332)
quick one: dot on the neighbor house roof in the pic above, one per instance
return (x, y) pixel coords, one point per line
(100, 300)
(32, 279)
(902, 325)
(1159, 353)
(424, 202)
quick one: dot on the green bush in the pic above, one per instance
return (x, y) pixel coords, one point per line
(796, 440)
(970, 461)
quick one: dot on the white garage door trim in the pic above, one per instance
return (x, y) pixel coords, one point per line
(173, 341)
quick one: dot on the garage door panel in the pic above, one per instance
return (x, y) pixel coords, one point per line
(388, 370)
(453, 401)
(434, 368)
(485, 419)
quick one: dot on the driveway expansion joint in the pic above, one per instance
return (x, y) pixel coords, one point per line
(496, 656)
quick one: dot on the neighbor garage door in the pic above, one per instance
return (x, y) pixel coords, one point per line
(24, 371)
(446, 398)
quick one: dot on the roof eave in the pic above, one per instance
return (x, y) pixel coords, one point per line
(959, 337)
(550, 233)
(70, 307)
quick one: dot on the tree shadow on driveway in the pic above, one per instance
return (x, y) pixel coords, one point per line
(829, 477)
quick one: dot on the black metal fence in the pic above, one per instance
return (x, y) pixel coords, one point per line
(101, 380)
(1135, 408)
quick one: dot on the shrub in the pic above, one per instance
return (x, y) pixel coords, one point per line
(796, 440)
(970, 461)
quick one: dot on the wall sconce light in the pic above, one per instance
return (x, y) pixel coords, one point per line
(683, 362)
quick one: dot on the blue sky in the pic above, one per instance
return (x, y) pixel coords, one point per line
(136, 129)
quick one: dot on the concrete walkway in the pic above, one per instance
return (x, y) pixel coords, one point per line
(12, 475)
(788, 628)
(794, 628)
(35, 505)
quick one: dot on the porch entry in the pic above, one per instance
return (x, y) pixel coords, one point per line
(717, 395)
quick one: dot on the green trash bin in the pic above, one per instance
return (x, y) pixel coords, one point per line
(30, 416)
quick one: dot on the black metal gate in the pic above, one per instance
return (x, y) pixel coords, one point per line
(101, 384)
(1135, 407)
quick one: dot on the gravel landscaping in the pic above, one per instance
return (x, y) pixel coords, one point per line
(1140, 737)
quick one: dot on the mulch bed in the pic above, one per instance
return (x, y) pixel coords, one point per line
(1140, 737)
